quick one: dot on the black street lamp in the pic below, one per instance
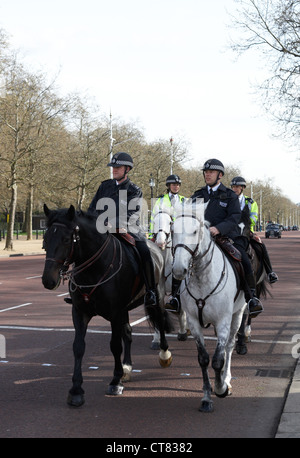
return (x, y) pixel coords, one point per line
(152, 185)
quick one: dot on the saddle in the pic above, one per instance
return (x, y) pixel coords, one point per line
(235, 258)
(126, 236)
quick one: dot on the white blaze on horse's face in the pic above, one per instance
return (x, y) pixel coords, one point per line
(161, 240)
(186, 238)
(161, 228)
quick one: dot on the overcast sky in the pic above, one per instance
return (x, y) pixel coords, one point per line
(163, 64)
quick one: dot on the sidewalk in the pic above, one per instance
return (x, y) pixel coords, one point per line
(22, 247)
(289, 425)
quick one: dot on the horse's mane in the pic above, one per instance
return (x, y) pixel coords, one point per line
(61, 216)
(192, 208)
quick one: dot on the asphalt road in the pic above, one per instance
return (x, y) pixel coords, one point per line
(158, 403)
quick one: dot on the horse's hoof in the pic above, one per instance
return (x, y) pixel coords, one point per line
(223, 395)
(114, 390)
(241, 349)
(155, 345)
(182, 337)
(206, 406)
(126, 373)
(165, 358)
(75, 400)
(166, 362)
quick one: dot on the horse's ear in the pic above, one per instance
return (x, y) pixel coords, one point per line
(71, 213)
(46, 210)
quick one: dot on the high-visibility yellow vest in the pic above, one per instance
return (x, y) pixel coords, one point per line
(253, 211)
(162, 201)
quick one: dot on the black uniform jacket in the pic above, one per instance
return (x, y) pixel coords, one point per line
(121, 195)
(223, 210)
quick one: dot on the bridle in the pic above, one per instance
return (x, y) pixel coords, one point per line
(182, 245)
(75, 239)
(66, 274)
(200, 302)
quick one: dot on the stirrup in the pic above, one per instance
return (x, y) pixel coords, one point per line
(173, 305)
(272, 277)
(150, 298)
(255, 307)
(68, 300)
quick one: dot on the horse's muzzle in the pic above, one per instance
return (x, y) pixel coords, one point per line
(51, 276)
(179, 274)
(50, 283)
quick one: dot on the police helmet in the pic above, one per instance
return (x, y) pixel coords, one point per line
(238, 181)
(120, 159)
(173, 179)
(214, 164)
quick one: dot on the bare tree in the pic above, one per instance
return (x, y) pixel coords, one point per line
(28, 110)
(272, 27)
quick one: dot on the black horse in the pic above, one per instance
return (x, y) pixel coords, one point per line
(104, 280)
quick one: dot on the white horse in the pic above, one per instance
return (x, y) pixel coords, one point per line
(162, 224)
(209, 295)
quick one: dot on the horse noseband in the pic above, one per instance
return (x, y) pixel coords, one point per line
(187, 248)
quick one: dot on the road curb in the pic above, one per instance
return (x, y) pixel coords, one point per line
(289, 425)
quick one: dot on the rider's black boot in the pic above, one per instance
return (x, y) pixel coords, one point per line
(174, 304)
(272, 277)
(254, 305)
(150, 296)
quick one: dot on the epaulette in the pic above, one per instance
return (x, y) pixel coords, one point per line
(249, 200)
(105, 181)
(134, 186)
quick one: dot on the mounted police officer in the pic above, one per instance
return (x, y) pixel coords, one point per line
(224, 214)
(249, 210)
(170, 199)
(127, 199)
(167, 200)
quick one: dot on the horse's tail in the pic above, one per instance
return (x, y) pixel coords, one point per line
(159, 318)
(262, 290)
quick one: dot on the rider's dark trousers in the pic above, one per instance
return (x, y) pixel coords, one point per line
(241, 243)
(147, 264)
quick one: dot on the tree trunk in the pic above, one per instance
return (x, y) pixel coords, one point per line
(12, 213)
(29, 212)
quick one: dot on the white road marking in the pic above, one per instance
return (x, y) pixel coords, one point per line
(16, 307)
(140, 334)
(139, 321)
(36, 276)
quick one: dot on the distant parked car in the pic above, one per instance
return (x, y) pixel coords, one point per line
(273, 230)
